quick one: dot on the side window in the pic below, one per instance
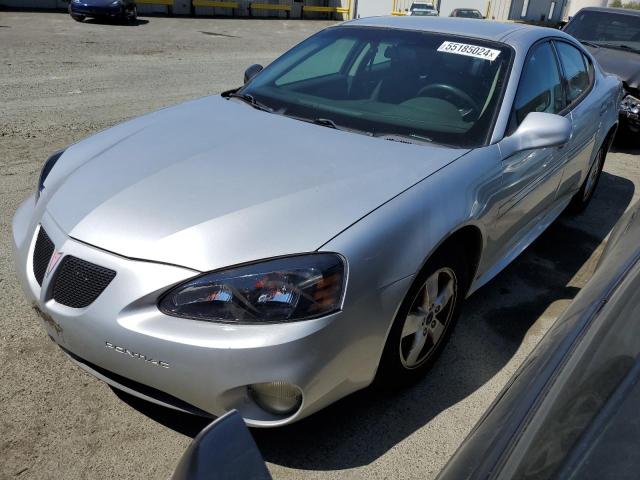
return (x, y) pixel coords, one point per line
(575, 70)
(326, 61)
(540, 88)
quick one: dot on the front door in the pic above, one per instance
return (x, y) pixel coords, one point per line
(530, 179)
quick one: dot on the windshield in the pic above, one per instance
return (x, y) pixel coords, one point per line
(469, 14)
(607, 29)
(422, 6)
(385, 82)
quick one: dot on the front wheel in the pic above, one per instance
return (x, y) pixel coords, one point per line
(425, 320)
(78, 18)
(132, 16)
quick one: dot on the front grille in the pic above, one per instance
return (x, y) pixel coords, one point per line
(78, 283)
(41, 255)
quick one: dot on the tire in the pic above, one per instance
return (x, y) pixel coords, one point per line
(628, 135)
(582, 198)
(78, 18)
(133, 16)
(404, 361)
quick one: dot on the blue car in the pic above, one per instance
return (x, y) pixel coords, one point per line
(118, 9)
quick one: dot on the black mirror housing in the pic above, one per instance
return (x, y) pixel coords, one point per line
(251, 72)
(223, 450)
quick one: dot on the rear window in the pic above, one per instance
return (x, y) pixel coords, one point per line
(575, 70)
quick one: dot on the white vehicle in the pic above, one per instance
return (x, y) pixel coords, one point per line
(423, 9)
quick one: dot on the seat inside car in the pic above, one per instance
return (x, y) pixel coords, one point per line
(402, 79)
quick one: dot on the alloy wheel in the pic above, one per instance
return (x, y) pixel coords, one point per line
(428, 318)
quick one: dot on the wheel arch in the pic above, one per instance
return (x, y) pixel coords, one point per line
(610, 136)
(470, 239)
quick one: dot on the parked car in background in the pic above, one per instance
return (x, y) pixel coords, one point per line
(423, 9)
(571, 410)
(466, 13)
(612, 35)
(117, 9)
(187, 270)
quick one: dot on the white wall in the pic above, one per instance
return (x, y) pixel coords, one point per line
(574, 5)
(369, 8)
(372, 8)
(499, 9)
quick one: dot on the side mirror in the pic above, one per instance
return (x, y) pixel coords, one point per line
(537, 130)
(223, 450)
(251, 72)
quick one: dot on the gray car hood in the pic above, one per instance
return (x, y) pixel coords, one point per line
(213, 182)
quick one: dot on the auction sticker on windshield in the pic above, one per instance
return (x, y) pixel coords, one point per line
(469, 50)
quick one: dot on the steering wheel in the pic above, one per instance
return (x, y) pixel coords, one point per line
(450, 89)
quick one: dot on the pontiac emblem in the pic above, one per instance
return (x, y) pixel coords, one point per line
(139, 356)
(53, 261)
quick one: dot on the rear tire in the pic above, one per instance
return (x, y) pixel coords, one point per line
(133, 16)
(425, 319)
(581, 199)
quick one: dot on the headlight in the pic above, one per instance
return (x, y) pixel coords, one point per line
(46, 169)
(630, 105)
(117, 3)
(281, 290)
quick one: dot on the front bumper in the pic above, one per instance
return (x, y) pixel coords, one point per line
(195, 366)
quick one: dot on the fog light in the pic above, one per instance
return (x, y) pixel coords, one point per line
(279, 398)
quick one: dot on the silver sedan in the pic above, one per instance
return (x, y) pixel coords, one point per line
(281, 245)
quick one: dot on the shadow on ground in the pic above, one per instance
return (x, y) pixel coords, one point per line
(360, 428)
(113, 21)
(626, 143)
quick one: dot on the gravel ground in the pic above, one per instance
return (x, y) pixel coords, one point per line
(60, 81)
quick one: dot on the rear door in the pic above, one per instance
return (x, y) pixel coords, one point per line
(585, 110)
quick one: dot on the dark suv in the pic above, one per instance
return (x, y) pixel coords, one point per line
(118, 9)
(612, 35)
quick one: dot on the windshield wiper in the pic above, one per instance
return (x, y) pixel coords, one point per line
(618, 46)
(410, 138)
(590, 44)
(626, 47)
(247, 98)
(325, 122)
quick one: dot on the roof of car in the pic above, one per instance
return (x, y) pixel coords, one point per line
(623, 11)
(489, 30)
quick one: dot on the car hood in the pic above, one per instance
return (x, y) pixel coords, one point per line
(214, 182)
(625, 65)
